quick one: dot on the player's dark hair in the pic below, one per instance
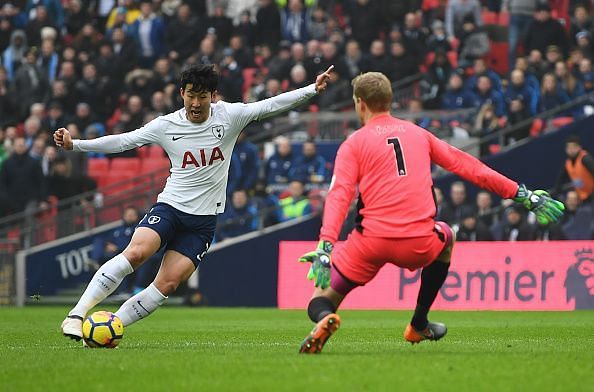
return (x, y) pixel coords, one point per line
(202, 77)
(573, 139)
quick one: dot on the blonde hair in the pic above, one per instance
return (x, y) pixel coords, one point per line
(374, 89)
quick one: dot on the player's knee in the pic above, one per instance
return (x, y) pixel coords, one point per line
(166, 286)
(449, 238)
(136, 254)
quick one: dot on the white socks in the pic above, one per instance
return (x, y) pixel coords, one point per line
(107, 278)
(140, 305)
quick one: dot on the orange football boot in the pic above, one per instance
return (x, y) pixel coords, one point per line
(314, 342)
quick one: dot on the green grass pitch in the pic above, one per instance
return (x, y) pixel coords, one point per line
(210, 349)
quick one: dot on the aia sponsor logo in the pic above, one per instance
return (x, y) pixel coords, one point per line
(202, 157)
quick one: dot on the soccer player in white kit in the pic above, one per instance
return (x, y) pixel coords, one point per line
(199, 140)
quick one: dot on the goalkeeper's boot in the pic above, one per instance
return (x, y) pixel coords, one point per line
(434, 331)
(72, 327)
(314, 342)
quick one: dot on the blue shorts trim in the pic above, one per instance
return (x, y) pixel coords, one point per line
(190, 235)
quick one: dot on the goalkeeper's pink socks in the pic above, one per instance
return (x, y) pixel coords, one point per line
(107, 278)
(141, 305)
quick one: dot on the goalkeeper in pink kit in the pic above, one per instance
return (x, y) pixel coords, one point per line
(389, 161)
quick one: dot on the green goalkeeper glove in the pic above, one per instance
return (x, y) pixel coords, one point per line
(319, 271)
(546, 209)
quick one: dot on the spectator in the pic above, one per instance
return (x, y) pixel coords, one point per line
(266, 204)
(486, 124)
(125, 51)
(60, 94)
(90, 89)
(317, 26)
(584, 43)
(63, 184)
(230, 77)
(222, 25)
(364, 16)
(480, 69)
(376, 60)
(35, 25)
(474, 42)
(242, 54)
(310, 167)
(519, 89)
(48, 60)
(83, 117)
(551, 97)
(50, 153)
(6, 29)
(536, 65)
(92, 131)
(567, 81)
(352, 59)
(14, 54)
(517, 113)
(22, 185)
(298, 77)
(248, 156)
(268, 24)
(330, 57)
(296, 204)
(415, 108)
(578, 170)
(37, 148)
(32, 128)
(453, 211)
(403, 65)
(279, 67)
(522, 65)
(472, 229)
(521, 18)
(240, 217)
(487, 94)
(580, 23)
(6, 104)
(484, 209)
(577, 219)
(545, 31)
(206, 54)
(338, 91)
(438, 41)
(182, 32)
(436, 79)
(246, 29)
(280, 164)
(456, 11)
(75, 18)
(87, 40)
(52, 8)
(585, 74)
(414, 38)
(149, 32)
(513, 226)
(456, 96)
(552, 56)
(295, 22)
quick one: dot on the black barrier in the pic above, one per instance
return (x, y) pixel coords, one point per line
(246, 273)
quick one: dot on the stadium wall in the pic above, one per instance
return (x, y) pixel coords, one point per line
(483, 276)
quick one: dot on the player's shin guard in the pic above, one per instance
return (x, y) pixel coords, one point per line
(141, 305)
(319, 308)
(432, 279)
(107, 278)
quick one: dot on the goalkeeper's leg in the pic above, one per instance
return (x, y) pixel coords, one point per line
(322, 311)
(144, 243)
(432, 278)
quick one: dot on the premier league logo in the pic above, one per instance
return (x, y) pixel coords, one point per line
(580, 280)
(218, 131)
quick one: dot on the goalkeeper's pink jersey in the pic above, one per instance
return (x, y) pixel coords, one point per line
(390, 161)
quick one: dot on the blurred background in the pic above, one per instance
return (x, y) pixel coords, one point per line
(510, 82)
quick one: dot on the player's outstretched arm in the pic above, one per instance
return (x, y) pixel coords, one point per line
(111, 143)
(546, 209)
(281, 103)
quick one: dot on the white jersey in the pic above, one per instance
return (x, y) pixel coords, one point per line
(200, 154)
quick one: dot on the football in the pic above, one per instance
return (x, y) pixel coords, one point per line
(103, 329)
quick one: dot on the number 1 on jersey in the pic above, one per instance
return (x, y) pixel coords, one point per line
(400, 166)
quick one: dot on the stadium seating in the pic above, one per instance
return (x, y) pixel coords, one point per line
(124, 164)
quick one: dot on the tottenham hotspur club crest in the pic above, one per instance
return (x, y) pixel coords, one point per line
(218, 131)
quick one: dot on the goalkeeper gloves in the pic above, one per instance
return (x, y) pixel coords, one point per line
(546, 209)
(319, 271)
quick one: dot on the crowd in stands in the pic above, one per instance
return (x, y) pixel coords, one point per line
(106, 67)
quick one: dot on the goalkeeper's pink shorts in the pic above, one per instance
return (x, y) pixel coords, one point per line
(359, 258)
